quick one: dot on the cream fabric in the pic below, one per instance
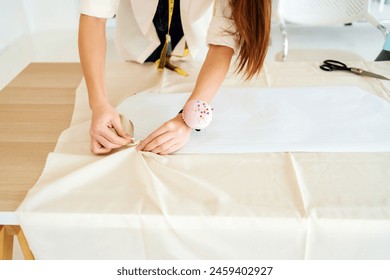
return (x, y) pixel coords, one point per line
(127, 125)
(136, 37)
(133, 205)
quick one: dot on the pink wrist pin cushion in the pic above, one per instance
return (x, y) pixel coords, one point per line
(197, 114)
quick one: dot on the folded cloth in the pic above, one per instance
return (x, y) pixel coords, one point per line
(127, 125)
(311, 119)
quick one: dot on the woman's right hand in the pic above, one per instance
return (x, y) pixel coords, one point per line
(106, 131)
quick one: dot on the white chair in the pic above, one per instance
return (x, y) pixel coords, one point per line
(322, 13)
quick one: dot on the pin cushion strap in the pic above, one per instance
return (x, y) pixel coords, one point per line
(197, 114)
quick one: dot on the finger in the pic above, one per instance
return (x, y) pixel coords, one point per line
(106, 143)
(112, 137)
(158, 141)
(161, 130)
(117, 125)
(164, 147)
(170, 150)
(97, 148)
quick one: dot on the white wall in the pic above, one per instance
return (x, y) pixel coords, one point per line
(13, 22)
(44, 15)
(20, 18)
(36, 31)
(40, 31)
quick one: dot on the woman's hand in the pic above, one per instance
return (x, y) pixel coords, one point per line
(106, 131)
(168, 138)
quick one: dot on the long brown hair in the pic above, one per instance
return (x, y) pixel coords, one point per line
(253, 21)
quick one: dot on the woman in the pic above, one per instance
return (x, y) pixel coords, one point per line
(238, 27)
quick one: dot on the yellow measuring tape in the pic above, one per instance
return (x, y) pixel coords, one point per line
(164, 61)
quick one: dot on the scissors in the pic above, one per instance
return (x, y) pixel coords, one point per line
(334, 65)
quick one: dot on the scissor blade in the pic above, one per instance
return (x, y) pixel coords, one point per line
(373, 75)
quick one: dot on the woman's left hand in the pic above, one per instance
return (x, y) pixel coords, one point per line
(168, 138)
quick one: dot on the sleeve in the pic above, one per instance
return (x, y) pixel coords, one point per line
(99, 8)
(222, 29)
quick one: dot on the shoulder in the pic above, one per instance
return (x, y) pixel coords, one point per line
(222, 8)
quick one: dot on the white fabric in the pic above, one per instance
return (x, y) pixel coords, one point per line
(136, 37)
(316, 119)
(132, 205)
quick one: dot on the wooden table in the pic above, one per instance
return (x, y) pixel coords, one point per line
(34, 109)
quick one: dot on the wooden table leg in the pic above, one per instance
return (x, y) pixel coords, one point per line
(6, 244)
(7, 234)
(28, 255)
